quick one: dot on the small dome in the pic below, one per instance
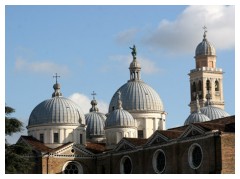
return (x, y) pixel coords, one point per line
(95, 122)
(119, 117)
(58, 110)
(196, 117)
(138, 96)
(205, 47)
(214, 112)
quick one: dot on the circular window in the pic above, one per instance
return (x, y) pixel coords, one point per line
(126, 165)
(72, 168)
(195, 156)
(159, 161)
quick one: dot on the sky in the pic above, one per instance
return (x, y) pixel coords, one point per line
(88, 47)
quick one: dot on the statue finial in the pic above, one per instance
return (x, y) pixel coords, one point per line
(119, 100)
(205, 32)
(134, 51)
(197, 104)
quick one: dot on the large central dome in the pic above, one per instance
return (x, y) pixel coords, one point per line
(137, 96)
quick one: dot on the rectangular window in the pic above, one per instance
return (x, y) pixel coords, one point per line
(55, 138)
(140, 133)
(41, 137)
(81, 138)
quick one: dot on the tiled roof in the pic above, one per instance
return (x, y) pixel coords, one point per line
(96, 147)
(36, 144)
(171, 134)
(136, 141)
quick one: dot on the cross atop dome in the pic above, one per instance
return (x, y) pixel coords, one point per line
(94, 94)
(56, 87)
(56, 76)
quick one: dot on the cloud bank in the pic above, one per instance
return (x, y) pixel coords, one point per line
(40, 67)
(85, 103)
(184, 33)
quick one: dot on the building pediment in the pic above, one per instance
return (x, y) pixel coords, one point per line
(157, 138)
(191, 131)
(71, 149)
(124, 145)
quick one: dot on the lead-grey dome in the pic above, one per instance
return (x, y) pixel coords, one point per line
(137, 96)
(214, 112)
(57, 110)
(95, 121)
(196, 116)
(120, 117)
(205, 47)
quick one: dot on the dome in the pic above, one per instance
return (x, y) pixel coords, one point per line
(95, 122)
(196, 117)
(205, 47)
(138, 96)
(119, 117)
(57, 110)
(214, 112)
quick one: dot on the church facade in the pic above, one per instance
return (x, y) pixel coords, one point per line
(132, 138)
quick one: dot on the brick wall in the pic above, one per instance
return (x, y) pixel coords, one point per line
(228, 152)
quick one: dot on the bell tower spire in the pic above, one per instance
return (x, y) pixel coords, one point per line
(206, 79)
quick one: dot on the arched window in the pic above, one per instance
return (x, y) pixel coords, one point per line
(194, 87)
(216, 85)
(200, 85)
(159, 161)
(195, 156)
(200, 89)
(208, 85)
(72, 167)
(193, 90)
(126, 165)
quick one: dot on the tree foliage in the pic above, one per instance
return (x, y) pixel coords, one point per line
(16, 155)
(12, 124)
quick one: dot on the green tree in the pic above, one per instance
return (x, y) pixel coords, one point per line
(16, 160)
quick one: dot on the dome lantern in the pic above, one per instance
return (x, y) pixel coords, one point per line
(135, 67)
(93, 103)
(56, 87)
(205, 47)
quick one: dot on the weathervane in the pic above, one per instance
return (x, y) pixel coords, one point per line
(56, 76)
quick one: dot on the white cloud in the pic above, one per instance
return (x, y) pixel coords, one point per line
(147, 66)
(84, 102)
(127, 36)
(184, 33)
(40, 67)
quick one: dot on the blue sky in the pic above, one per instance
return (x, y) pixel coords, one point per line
(88, 46)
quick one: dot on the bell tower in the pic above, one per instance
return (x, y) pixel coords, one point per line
(206, 77)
